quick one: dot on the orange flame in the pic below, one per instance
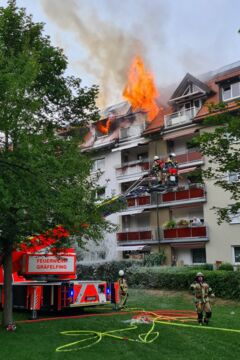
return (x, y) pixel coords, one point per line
(104, 128)
(141, 90)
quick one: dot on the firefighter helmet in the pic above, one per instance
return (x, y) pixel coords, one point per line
(121, 273)
(172, 155)
(156, 157)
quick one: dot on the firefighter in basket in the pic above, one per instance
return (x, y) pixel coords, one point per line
(171, 169)
(123, 290)
(157, 168)
(202, 296)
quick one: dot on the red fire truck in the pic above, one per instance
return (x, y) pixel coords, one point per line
(48, 281)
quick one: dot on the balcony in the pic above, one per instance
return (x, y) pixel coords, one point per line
(136, 237)
(180, 117)
(190, 157)
(194, 193)
(152, 235)
(185, 234)
(184, 195)
(133, 168)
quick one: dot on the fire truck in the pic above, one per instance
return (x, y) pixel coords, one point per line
(48, 281)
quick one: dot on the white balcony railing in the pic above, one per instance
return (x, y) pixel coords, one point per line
(180, 117)
(133, 168)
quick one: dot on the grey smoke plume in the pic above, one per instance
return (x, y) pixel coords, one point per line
(109, 49)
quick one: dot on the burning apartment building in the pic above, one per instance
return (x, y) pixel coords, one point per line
(123, 143)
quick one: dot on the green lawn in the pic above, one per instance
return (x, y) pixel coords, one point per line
(38, 341)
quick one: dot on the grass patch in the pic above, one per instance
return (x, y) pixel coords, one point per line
(39, 340)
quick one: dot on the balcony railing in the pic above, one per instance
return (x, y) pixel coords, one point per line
(189, 232)
(140, 166)
(180, 117)
(133, 168)
(158, 235)
(135, 236)
(139, 201)
(189, 157)
(185, 193)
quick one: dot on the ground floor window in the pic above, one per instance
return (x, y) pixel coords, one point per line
(199, 256)
(236, 252)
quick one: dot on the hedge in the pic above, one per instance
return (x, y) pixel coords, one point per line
(225, 284)
(106, 270)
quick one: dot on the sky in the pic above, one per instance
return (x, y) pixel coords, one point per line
(101, 37)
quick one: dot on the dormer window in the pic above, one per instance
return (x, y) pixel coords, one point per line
(231, 91)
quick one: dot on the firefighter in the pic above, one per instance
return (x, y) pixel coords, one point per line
(202, 293)
(157, 168)
(123, 290)
(171, 167)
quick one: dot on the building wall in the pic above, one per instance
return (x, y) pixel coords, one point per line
(221, 237)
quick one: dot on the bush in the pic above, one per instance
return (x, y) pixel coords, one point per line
(107, 271)
(154, 259)
(171, 224)
(226, 266)
(225, 284)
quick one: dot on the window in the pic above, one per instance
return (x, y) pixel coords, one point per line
(236, 254)
(235, 218)
(98, 164)
(199, 256)
(231, 91)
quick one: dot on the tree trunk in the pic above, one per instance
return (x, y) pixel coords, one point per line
(8, 298)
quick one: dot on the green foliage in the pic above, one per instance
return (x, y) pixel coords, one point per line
(216, 107)
(195, 176)
(221, 146)
(225, 284)
(171, 224)
(44, 179)
(226, 266)
(105, 271)
(154, 259)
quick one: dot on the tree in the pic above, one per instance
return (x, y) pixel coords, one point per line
(221, 145)
(44, 178)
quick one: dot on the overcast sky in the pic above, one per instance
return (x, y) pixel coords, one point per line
(100, 37)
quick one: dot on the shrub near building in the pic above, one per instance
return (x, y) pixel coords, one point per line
(225, 283)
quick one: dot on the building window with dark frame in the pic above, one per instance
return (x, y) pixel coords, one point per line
(236, 253)
(199, 256)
